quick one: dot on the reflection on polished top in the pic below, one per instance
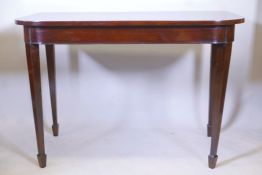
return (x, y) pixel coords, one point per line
(131, 18)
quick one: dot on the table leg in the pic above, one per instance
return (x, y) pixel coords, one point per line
(220, 60)
(33, 63)
(50, 56)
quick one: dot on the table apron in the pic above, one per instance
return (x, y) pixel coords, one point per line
(129, 35)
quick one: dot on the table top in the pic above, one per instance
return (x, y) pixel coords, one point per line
(178, 18)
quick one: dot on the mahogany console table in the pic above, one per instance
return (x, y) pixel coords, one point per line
(215, 28)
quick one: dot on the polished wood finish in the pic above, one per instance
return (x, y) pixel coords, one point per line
(33, 64)
(215, 28)
(130, 35)
(50, 56)
(109, 19)
(220, 59)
